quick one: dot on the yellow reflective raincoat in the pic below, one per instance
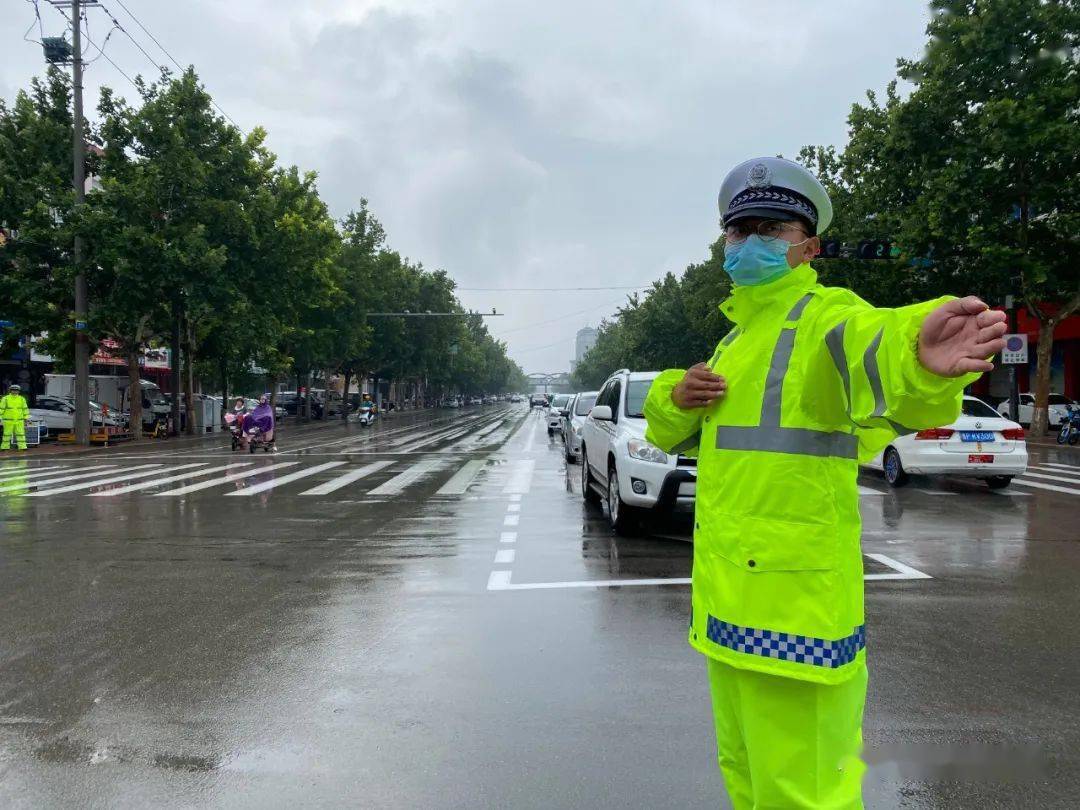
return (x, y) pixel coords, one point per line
(817, 380)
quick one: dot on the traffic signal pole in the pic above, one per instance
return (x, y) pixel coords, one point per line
(82, 344)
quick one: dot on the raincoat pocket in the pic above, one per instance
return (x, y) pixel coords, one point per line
(761, 545)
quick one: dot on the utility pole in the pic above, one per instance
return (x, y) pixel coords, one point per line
(1014, 383)
(82, 345)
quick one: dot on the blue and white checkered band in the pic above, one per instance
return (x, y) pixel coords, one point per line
(781, 199)
(818, 652)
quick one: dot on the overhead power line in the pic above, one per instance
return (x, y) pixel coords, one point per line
(544, 289)
(157, 42)
(560, 318)
(101, 51)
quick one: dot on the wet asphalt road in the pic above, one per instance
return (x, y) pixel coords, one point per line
(397, 617)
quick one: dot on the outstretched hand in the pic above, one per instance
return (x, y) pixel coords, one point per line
(959, 336)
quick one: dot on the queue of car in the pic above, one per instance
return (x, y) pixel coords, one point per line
(605, 431)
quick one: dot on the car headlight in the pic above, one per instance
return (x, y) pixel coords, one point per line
(638, 448)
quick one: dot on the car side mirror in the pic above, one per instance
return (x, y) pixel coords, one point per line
(565, 412)
(601, 413)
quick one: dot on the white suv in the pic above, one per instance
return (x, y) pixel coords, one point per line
(620, 466)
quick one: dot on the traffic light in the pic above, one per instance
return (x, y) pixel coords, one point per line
(830, 249)
(874, 249)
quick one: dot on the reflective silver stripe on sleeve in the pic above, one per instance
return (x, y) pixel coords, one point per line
(800, 305)
(834, 341)
(797, 441)
(730, 336)
(870, 365)
(690, 443)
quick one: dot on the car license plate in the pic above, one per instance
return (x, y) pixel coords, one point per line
(979, 458)
(976, 435)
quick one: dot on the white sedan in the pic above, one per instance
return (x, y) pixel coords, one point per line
(1057, 409)
(980, 444)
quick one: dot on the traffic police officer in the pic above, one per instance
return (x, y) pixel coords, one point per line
(810, 381)
(13, 415)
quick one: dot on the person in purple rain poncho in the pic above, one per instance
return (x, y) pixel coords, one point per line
(260, 420)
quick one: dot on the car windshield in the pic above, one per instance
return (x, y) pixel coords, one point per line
(1058, 399)
(584, 404)
(560, 401)
(976, 407)
(636, 392)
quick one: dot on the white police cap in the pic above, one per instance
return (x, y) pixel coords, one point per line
(775, 188)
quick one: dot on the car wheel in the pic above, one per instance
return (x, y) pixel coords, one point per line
(894, 468)
(551, 432)
(622, 516)
(587, 492)
(998, 481)
(569, 456)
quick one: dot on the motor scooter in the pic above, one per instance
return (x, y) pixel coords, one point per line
(259, 439)
(1070, 426)
(366, 415)
(236, 430)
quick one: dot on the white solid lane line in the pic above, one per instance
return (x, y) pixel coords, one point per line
(157, 482)
(417, 471)
(901, 571)
(112, 479)
(225, 479)
(11, 486)
(285, 479)
(1048, 487)
(459, 481)
(869, 490)
(344, 480)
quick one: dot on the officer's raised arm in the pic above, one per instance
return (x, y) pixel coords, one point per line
(901, 370)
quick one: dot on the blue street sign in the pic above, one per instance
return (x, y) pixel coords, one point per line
(6, 323)
(80, 326)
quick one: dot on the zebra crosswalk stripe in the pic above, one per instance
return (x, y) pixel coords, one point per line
(1049, 487)
(45, 482)
(344, 480)
(1044, 476)
(459, 481)
(285, 479)
(40, 473)
(29, 472)
(225, 479)
(409, 476)
(157, 482)
(112, 479)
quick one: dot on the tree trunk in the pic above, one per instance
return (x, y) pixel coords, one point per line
(189, 379)
(347, 376)
(134, 394)
(1044, 347)
(224, 391)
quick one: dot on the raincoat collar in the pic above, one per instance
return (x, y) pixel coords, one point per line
(745, 302)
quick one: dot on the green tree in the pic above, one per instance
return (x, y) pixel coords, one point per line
(975, 173)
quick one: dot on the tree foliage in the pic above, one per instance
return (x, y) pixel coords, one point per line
(196, 223)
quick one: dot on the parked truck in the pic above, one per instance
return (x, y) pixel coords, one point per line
(113, 391)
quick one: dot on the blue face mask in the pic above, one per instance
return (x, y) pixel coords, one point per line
(754, 261)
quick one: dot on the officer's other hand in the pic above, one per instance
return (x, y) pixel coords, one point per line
(957, 337)
(698, 387)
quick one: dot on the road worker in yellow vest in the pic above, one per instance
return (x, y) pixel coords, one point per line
(13, 416)
(809, 381)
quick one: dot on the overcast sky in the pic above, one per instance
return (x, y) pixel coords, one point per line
(517, 144)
